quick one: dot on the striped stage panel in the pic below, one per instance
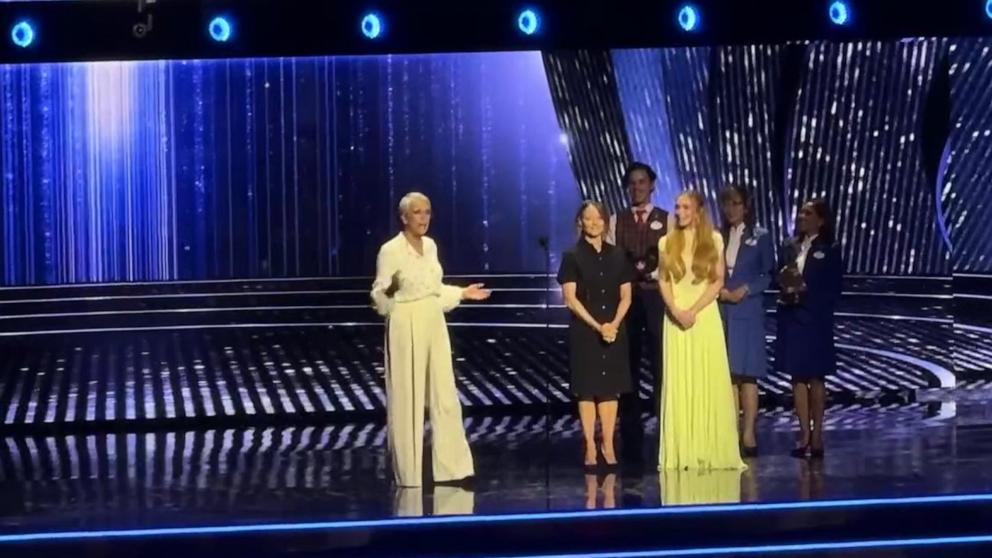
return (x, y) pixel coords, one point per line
(312, 348)
(973, 328)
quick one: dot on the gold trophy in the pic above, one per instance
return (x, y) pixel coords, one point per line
(792, 284)
(650, 265)
(645, 266)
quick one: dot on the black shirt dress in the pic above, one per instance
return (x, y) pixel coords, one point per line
(598, 369)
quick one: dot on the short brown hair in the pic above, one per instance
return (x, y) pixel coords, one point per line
(603, 212)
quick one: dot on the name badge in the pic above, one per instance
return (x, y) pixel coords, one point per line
(656, 225)
(751, 242)
(819, 255)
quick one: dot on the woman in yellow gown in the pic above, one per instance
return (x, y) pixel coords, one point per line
(698, 428)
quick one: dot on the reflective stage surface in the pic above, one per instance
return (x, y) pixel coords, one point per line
(219, 404)
(524, 464)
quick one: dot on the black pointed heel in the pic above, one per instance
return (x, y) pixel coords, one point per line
(802, 452)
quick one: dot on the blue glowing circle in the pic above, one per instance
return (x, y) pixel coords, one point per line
(988, 9)
(528, 22)
(688, 18)
(220, 29)
(371, 26)
(22, 34)
(839, 13)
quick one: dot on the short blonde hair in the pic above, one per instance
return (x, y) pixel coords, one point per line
(408, 200)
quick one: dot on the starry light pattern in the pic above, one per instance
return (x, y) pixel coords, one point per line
(967, 186)
(853, 122)
(752, 124)
(646, 118)
(125, 171)
(856, 140)
(164, 170)
(589, 112)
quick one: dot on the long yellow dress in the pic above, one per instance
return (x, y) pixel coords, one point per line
(698, 428)
(700, 486)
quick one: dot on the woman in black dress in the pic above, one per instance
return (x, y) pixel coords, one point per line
(595, 278)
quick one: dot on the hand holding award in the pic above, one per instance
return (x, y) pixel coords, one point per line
(792, 284)
(646, 266)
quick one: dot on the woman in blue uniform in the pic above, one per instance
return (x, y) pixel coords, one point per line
(750, 264)
(810, 281)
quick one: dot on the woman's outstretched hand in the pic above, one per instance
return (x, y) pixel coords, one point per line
(476, 292)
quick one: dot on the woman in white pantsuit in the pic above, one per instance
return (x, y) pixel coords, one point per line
(408, 291)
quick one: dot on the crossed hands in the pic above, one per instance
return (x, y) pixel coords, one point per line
(609, 331)
(684, 317)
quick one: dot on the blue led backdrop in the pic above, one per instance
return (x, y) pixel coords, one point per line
(967, 179)
(896, 135)
(123, 171)
(292, 167)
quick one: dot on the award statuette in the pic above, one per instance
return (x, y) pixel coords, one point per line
(791, 283)
(646, 266)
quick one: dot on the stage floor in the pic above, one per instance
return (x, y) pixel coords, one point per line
(525, 464)
(238, 404)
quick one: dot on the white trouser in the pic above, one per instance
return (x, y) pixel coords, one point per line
(419, 372)
(448, 500)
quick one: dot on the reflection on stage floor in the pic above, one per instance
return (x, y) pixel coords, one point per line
(525, 464)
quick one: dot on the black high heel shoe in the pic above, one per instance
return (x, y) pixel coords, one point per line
(816, 453)
(608, 464)
(802, 452)
(589, 468)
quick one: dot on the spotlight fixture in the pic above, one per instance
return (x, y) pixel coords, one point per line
(141, 29)
(688, 18)
(528, 22)
(840, 13)
(371, 26)
(220, 29)
(22, 34)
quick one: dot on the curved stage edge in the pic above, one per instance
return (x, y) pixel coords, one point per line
(763, 529)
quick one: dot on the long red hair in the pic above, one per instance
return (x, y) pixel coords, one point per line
(704, 254)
